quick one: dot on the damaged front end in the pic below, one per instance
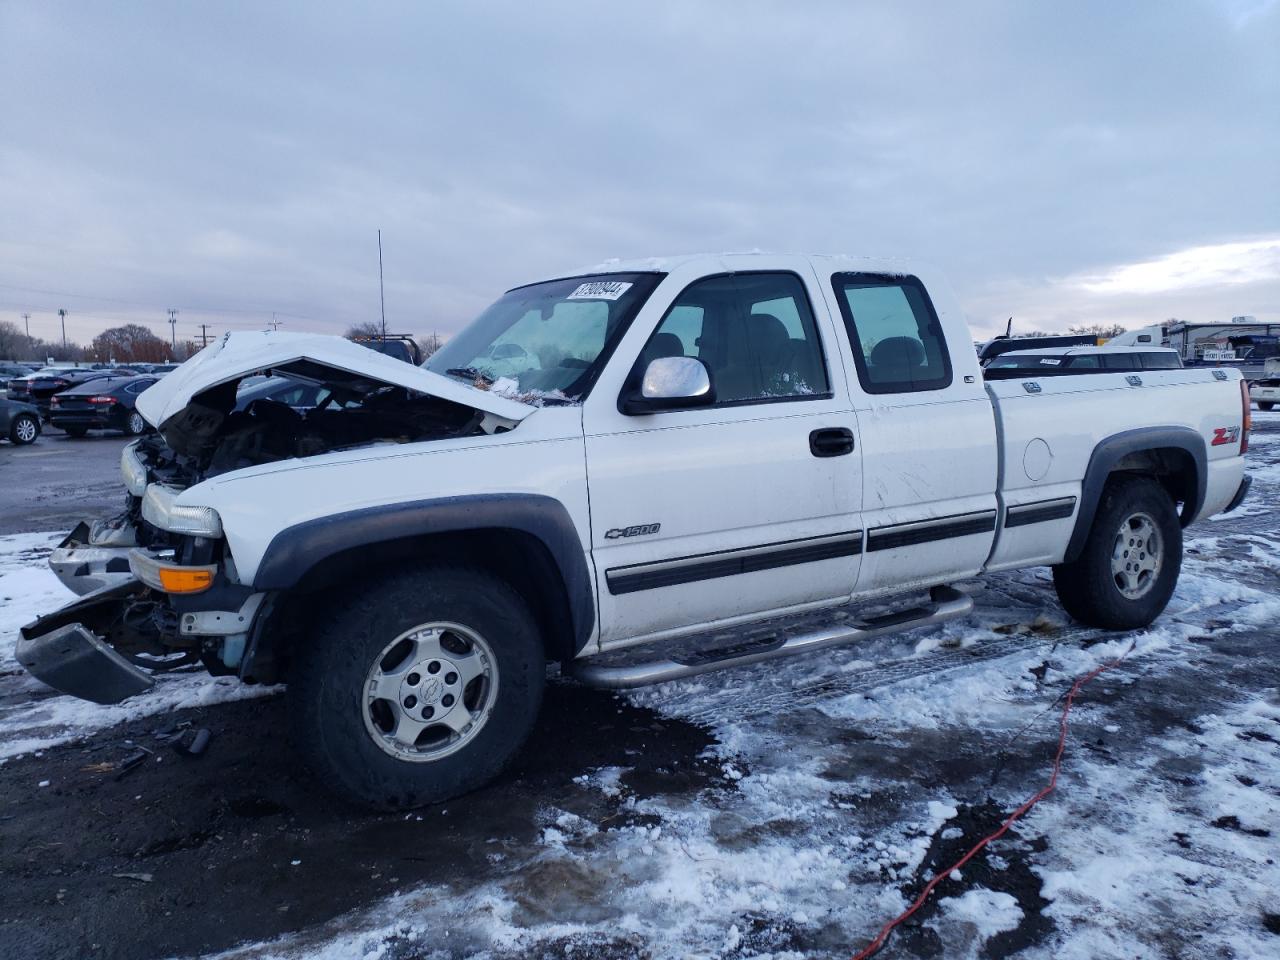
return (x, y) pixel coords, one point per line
(158, 584)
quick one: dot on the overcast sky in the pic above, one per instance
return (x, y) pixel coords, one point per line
(1061, 162)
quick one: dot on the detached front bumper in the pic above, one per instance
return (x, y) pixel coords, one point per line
(69, 656)
(93, 557)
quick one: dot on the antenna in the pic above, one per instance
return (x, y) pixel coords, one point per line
(382, 296)
(1008, 328)
(173, 328)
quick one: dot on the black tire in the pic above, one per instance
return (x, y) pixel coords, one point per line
(75, 431)
(134, 425)
(24, 429)
(332, 716)
(1265, 404)
(1092, 589)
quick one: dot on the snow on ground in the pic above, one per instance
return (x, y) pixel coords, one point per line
(33, 717)
(849, 779)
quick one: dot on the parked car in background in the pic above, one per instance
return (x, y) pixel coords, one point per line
(1059, 361)
(1265, 391)
(105, 403)
(292, 393)
(158, 369)
(398, 345)
(997, 346)
(9, 371)
(40, 387)
(20, 422)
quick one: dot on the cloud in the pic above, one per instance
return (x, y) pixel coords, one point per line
(237, 161)
(1221, 264)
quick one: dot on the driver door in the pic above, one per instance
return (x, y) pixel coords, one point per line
(720, 513)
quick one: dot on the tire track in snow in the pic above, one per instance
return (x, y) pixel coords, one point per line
(740, 704)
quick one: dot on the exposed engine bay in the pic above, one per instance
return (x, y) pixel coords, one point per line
(219, 431)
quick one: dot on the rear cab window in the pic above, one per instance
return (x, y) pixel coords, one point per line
(896, 337)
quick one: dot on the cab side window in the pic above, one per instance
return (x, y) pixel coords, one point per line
(1160, 361)
(897, 341)
(754, 331)
(1119, 361)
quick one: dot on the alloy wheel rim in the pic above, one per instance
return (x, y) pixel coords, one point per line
(136, 424)
(1137, 556)
(26, 430)
(430, 691)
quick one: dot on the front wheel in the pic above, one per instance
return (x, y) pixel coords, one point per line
(421, 690)
(1126, 573)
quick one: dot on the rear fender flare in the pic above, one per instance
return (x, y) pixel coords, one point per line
(1108, 454)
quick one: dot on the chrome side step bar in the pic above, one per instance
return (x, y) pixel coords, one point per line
(945, 603)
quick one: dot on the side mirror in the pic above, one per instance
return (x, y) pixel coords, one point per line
(671, 383)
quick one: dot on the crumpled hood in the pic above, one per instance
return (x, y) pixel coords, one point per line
(237, 355)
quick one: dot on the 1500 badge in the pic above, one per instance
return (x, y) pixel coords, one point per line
(640, 530)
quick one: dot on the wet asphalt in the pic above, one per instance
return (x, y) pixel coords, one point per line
(59, 480)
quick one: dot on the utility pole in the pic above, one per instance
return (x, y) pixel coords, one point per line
(173, 328)
(62, 314)
(382, 296)
(26, 318)
(275, 324)
(204, 335)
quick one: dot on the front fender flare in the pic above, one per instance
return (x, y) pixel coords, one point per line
(295, 550)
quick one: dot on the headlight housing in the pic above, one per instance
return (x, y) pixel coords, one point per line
(133, 469)
(160, 510)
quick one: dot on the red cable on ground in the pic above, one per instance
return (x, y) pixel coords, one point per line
(883, 935)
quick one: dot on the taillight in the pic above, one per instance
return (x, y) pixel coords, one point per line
(102, 399)
(61, 383)
(1246, 417)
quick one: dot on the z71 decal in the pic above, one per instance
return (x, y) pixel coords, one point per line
(1225, 435)
(640, 530)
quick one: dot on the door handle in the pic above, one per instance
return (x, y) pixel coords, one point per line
(831, 442)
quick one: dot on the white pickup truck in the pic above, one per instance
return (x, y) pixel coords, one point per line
(649, 451)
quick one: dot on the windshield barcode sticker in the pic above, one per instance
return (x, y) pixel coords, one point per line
(600, 290)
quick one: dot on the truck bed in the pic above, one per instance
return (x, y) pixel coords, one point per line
(1049, 429)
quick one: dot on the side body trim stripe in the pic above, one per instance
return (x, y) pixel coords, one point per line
(769, 556)
(728, 563)
(1027, 513)
(925, 531)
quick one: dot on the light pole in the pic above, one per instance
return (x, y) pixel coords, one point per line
(382, 297)
(62, 315)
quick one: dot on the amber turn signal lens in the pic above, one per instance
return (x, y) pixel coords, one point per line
(185, 580)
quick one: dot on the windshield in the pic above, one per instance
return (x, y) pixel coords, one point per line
(546, 339)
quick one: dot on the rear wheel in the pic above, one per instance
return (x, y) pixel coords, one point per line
(24, 429)
(75, 431)
(1126, 573)
(421, 690)
(134, 425)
